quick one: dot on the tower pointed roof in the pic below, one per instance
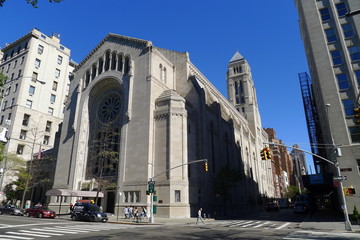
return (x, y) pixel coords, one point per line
(237, 56)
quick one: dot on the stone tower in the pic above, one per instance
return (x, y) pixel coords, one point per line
(241, 90)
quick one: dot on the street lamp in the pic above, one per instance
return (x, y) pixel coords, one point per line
(337, 168)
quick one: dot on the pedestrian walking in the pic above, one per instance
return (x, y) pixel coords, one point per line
(199, 217)
(126, 212)
(71, 207)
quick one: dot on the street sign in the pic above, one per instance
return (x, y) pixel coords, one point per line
(340, 178)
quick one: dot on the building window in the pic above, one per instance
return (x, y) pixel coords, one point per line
(342, 81)
(37, 63)
(177, 196)
(12, 102)
(46, 140)
(54, 86)
(4, 106)
(2, 120)
(57, 73)
(20, 149)
(354, 52)
(355, 134)
(23, 134)
(348, 107)
(16, 87)
(9, 116)
(348, 30)
(40, 49)
(19, 74)
(341, 9)
(357, 73)
(132, 196)
(50, 111)
(59, 60)
(358, 163)
(15, 63)
(330, 35)
(22, 60)
(28, 103)
(52, 98)
(336, 57)
(26, 119)
(48, 126)
(31, 90)
(34, 76)
(325, 14)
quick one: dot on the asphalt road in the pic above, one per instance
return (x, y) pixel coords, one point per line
(269, 226)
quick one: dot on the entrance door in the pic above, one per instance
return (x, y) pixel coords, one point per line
(110, 203)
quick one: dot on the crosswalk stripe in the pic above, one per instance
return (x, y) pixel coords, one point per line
(260, 225)
(241, 223)
(16, 237)
(28, 234)
(39, 231)
(282, 226)
(248, 225)
(67, 229)
(57, 231)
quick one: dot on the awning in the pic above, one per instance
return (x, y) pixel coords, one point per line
(72, 193)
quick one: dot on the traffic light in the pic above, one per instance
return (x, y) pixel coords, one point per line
(206, 167)
(357, 115)
(263, 154)
(349, 191)
(268, 153)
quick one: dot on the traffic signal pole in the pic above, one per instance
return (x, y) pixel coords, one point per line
(151, 183)
(337, 168)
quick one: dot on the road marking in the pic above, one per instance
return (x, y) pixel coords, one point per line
(39, 229)
(28, 234)
(260, 225)
(15, 237)
(282, 226)
(31, 224)
(239, 224)
(247, 225)
(57, 230)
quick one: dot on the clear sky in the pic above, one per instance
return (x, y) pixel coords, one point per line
(265, 32)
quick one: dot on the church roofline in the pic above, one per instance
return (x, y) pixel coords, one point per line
(110, 35)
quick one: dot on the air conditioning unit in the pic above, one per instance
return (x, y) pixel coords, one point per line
(8, 122)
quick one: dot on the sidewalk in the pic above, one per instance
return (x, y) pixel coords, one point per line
(157, 220)
(327, 220)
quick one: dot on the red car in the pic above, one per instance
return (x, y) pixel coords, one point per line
(39, 211)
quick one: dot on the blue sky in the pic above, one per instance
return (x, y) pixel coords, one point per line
(265, 32)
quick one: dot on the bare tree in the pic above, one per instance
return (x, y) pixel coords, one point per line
(32, 2)
(104, 157)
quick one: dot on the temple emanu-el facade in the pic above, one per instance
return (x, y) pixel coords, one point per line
(162, 114)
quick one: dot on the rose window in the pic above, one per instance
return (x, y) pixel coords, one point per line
(109, 108)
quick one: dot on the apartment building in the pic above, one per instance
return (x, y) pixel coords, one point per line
(332, 46)
(37, 67)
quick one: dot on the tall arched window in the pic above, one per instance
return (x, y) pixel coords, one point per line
(127, 65)
(87, 78)
(107, 61)
(93, 72)
(113, 61)
(101, 65)
(120, 63)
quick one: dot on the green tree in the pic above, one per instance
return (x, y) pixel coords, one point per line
(291, 192)
(13, 191)
(2, 78)
(32, 2)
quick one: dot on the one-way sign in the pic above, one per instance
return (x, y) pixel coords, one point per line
(340, 178)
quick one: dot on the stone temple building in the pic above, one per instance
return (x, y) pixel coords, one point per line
(160, 112)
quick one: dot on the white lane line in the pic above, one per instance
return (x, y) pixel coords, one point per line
(28, 234)
(57, 231)
(260, 225)
(15, 237)
(5, 239)
(67, 229)
(38, 230)
(272, 225)
(248, 225)
(282, 226)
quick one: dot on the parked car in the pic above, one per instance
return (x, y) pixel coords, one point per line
(300, 208)
(88, 212)
(11, 209)
(272, 206)
(283, 203)
(292, 205)
(40, 211)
